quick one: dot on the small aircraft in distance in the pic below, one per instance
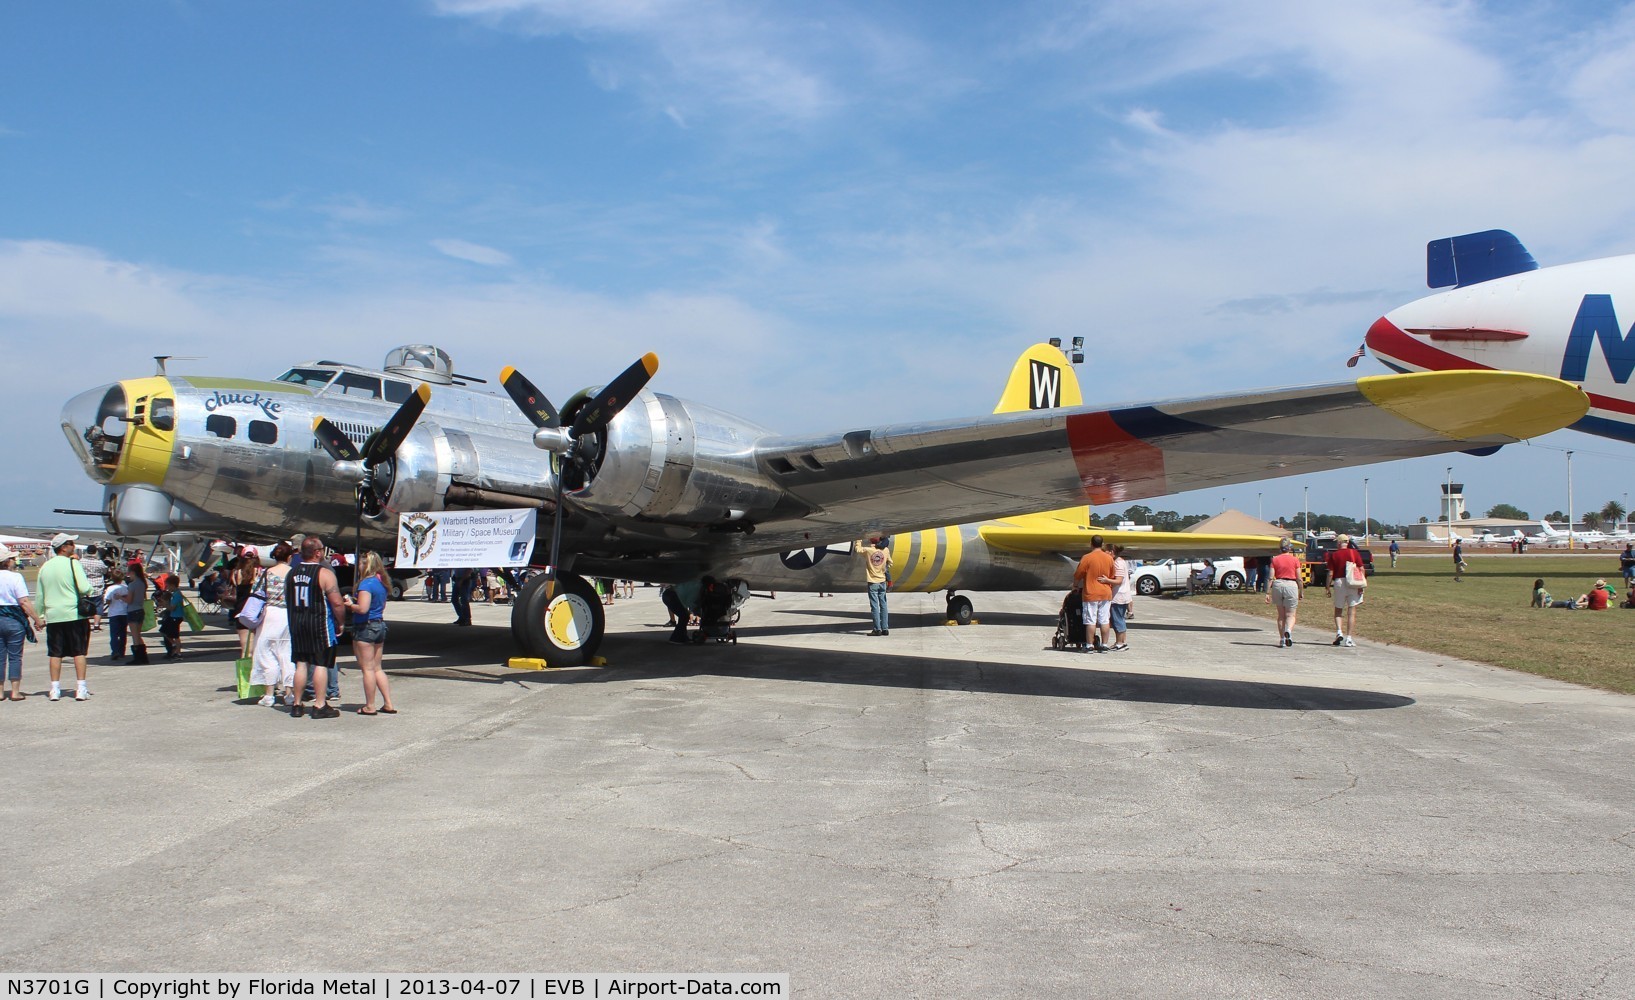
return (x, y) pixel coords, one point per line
(1501, 311)
(1549, 536)
(646, 486)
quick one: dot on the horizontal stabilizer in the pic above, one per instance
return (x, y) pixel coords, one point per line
(1474, 258)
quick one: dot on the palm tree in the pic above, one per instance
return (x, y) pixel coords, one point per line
(1613, 512)
(1591, 520)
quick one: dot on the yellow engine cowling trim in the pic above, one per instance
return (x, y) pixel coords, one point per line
(146, 455)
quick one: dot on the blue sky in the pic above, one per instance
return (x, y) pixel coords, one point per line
(816, 214)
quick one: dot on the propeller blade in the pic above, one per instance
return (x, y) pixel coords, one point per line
(339, 446)
(529, 399)
(383, 444)
(614, 396)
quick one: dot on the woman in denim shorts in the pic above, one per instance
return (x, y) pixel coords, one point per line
(368, 607)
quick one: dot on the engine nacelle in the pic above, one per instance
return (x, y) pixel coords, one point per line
(666, 459)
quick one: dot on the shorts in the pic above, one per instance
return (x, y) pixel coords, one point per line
(324, 657)
(1346, 596)
(64, 639)
(1285, 594)
(372, 631)
(170, 628)
(1098, 612)
(1118, 613)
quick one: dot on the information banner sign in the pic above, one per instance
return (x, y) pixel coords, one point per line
(450, 539)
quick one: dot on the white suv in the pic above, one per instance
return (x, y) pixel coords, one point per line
(1172, 574)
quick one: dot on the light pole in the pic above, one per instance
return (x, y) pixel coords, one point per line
(1365, 510)
(1260, 512)
(1626, 513)
(1569, 501)
(1306, 503)
(1447, 505)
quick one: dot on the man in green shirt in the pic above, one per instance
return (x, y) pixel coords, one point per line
(58, 588)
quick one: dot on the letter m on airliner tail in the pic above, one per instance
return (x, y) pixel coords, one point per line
(1596, 321)
(1046, 382)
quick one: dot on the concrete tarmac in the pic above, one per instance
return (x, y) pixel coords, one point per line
(941, 812)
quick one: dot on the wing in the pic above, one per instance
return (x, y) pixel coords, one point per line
(1072, 540)
(924, 475)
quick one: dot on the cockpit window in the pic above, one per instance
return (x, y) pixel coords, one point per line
(397, 392)
(312, 378)
(353, 384)
(162, 413)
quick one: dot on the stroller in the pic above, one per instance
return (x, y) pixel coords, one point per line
(717, 612)
(1070, 622)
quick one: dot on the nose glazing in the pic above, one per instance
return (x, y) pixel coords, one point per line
(94, 423)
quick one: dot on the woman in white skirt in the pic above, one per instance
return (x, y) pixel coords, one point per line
(272, 665)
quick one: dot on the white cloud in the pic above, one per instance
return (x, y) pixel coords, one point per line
(473, 252)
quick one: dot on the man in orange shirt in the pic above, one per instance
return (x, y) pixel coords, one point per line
(1096, 575)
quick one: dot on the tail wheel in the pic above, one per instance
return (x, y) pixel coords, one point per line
(960, 610)
(563, 629)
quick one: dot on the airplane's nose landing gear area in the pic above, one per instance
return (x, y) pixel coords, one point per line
(563, 629)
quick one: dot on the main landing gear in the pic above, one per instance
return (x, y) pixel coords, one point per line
(959, 609)
(563, 628)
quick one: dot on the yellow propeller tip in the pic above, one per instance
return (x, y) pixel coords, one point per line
(650, 361)
(424, 392)
(506, 373)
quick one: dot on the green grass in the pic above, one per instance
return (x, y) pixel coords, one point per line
(1487, 618)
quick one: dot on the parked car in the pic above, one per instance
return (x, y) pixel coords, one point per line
(1316, 570)
(1172, 574)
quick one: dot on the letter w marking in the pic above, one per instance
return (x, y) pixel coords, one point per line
(1047, 386)
(1596, 320)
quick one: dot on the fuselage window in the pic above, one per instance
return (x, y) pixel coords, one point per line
(162, 414)
(312, 378)
(221, 425)
(263, 432)
(397, 392)
(353, 384)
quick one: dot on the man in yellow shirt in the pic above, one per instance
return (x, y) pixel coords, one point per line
(877, 571)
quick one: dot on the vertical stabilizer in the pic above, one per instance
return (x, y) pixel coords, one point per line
(1042, 379)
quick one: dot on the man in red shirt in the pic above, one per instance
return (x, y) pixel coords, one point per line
(1599, 596)
(1097, 576)
(1346, 597)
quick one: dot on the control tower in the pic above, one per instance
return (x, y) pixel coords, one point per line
(1453, 502)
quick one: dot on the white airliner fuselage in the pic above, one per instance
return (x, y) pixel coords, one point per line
(1560, 321)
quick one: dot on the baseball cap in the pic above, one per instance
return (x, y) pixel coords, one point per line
(62, 538)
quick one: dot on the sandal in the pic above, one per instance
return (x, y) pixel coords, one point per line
(367, 711)
(388, 711)
(18, 696)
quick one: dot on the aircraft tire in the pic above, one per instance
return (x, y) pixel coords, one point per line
(960, 610)
(565, 630)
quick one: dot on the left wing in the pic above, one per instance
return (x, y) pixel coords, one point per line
(916, 476)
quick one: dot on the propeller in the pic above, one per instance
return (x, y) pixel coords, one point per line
(590, 420)
(377, 451)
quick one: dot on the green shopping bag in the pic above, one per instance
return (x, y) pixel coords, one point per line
(150, 615)
(195, 621)
(245, 689)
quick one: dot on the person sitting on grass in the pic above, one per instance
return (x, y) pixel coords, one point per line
(1541, 599)
(1600, 596)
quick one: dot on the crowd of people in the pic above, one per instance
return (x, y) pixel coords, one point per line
(288, 617)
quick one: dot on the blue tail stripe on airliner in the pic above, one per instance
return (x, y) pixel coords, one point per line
(1474, 258)
(1616, 429)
